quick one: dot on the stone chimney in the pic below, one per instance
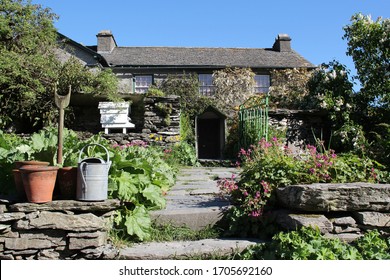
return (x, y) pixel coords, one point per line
(282, 43)
(105, 41)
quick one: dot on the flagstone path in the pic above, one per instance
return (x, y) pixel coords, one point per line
(194, 201)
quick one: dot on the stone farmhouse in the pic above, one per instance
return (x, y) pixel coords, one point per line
(137, 68)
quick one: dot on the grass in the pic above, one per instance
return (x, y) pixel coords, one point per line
(165, 233)
(169, 232)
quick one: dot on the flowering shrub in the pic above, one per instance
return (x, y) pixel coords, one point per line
(271, 164)
(332, 90)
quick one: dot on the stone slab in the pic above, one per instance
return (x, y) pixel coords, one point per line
(291, 221)
(11, 216)
(336, 197)
(184, 249)
(346, 237)
(344, 221)
(57, 220)
(194, 219)
(86, 240)
(345, 229)
(68, 205)
(373, 219)
(26, 244)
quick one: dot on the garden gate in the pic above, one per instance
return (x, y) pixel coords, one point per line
(253, 121)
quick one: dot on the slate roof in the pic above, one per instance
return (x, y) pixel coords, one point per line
(84, 53)
(177, 57)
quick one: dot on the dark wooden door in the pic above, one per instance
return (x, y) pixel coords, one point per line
(209, 140)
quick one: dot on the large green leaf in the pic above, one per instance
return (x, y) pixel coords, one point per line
(154, 194)
(24, 149)
(3, 153)
(138, 223)
(37, 141)
(127, 189)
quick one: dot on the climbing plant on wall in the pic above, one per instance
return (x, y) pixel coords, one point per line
(233, 86)
(289, 88)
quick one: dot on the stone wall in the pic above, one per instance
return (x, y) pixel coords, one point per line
(300, 125)
(341, 210)
(160, 123)
(64, 229)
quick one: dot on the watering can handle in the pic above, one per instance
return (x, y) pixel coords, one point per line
(94, 144)
(82, 175)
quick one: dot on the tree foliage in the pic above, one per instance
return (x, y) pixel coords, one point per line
(331, 90)
(369, 46)
(30, 67)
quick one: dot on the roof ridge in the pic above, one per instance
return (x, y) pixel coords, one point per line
(186, 47)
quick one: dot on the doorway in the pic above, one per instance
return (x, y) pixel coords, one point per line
(210, 134)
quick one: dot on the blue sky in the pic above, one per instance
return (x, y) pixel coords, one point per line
(316, 27)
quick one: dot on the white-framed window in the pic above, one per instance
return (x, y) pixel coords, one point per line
(206, 86)
(262, 83)
(142, 83)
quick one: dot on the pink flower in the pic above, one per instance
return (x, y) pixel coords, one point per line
(254, 214)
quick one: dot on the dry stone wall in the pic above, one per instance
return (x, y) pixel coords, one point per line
(160, 123)
(61, 229)
(301, 126)
(345, 211)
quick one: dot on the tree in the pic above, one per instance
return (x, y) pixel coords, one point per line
(27, 38)
(369, 46)
(30, 68)
(330, 89)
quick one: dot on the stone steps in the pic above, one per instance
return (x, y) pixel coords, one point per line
(195, 201)
(185, 249)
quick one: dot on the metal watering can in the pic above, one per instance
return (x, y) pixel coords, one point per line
(92, 177)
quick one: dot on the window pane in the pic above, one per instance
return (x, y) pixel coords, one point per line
(262, 83)
(206, 86)
(142, 83)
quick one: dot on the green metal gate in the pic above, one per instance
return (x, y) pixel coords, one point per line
(253, 121)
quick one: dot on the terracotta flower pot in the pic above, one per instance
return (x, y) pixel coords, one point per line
(19, 164)
(39, 182)
(67, 182)
(18, 176)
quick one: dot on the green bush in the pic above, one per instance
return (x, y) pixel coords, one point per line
(182, 154)
(153, 91)
(308, 244)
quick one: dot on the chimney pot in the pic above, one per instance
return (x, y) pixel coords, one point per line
(105, 41)
(282, 43)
